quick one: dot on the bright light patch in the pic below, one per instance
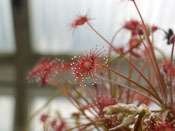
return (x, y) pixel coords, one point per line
(7, 42)
(6, 112)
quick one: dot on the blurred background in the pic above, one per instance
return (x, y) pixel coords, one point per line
(32, 29)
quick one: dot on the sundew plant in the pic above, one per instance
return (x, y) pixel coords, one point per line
(105, 98)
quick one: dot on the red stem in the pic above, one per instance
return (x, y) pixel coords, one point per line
(112, 90)
(161, 91)
(171, 75)
(163, 86)
(124, 58)
(77, 102)
(77, 92)
(140, 86)
(130, 77)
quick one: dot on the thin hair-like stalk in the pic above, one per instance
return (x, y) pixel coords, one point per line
(77, 92)
(157, 76)
(152, 50)
(132, 89)
(140, 86)
(151, 86)
(77, 102)
(123, 57)
(171, 75)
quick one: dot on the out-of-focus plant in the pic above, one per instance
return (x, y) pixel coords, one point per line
(106, 98)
